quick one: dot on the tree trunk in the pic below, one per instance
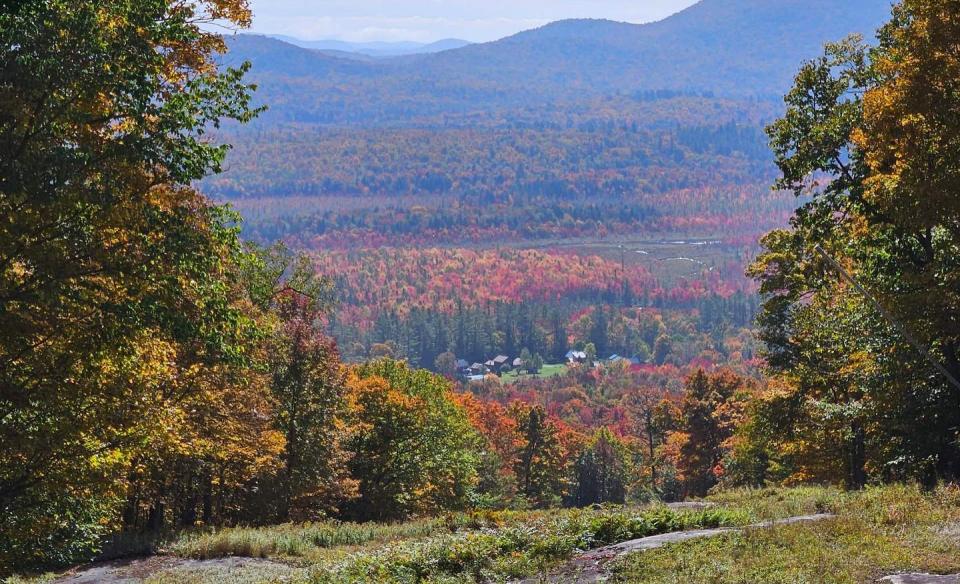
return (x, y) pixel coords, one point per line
(857, 458)
(207, 498)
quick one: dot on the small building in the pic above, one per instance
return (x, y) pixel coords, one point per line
(517, 363)
(576, 356)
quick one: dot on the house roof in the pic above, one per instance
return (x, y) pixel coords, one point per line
(501, 359)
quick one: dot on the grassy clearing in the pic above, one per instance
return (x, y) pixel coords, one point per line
(252, 574)
(546, 372)
(878, 532)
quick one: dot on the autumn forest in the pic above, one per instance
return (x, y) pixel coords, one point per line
(246, 284)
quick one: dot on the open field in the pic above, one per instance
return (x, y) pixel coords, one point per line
(546, 372)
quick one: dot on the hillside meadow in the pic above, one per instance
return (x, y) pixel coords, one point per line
(876, 532)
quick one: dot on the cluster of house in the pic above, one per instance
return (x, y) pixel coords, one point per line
(498, 366)
(502, 364)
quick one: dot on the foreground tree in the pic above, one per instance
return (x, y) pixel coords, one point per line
(710, 411)
(414, 450)
(602, 471)
(497, 486)
(871, 137)
(308, 385)
(117, 281)
(541, 464)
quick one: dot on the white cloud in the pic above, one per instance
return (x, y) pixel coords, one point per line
(429, 20)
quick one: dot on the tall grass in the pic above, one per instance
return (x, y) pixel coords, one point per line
(779, 503)
(290, 540)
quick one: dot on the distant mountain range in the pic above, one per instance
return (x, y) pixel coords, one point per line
(375, 49)
(732, 48)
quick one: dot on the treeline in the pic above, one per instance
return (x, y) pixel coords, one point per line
(344, 222)
(700, 330)
(420, 303)
(523, 219)
(403, 279)
(604, 158)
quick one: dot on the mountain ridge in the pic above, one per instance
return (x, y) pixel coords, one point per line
(741, 49)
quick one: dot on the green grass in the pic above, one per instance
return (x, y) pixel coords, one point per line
(545, 373)
(877, 532)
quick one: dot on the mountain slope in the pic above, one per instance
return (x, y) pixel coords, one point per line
(275, 58)
(733, 47)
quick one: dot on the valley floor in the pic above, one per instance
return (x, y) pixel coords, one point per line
(875, 533)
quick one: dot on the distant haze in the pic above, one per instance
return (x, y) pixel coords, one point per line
(426, 21)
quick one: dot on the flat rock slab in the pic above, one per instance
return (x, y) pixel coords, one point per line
(691, 506)
(133, 571)
(921, 579)
(591, 566)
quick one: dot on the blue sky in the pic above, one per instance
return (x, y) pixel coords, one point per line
(430, 20)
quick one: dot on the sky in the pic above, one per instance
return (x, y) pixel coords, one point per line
(431, 20)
